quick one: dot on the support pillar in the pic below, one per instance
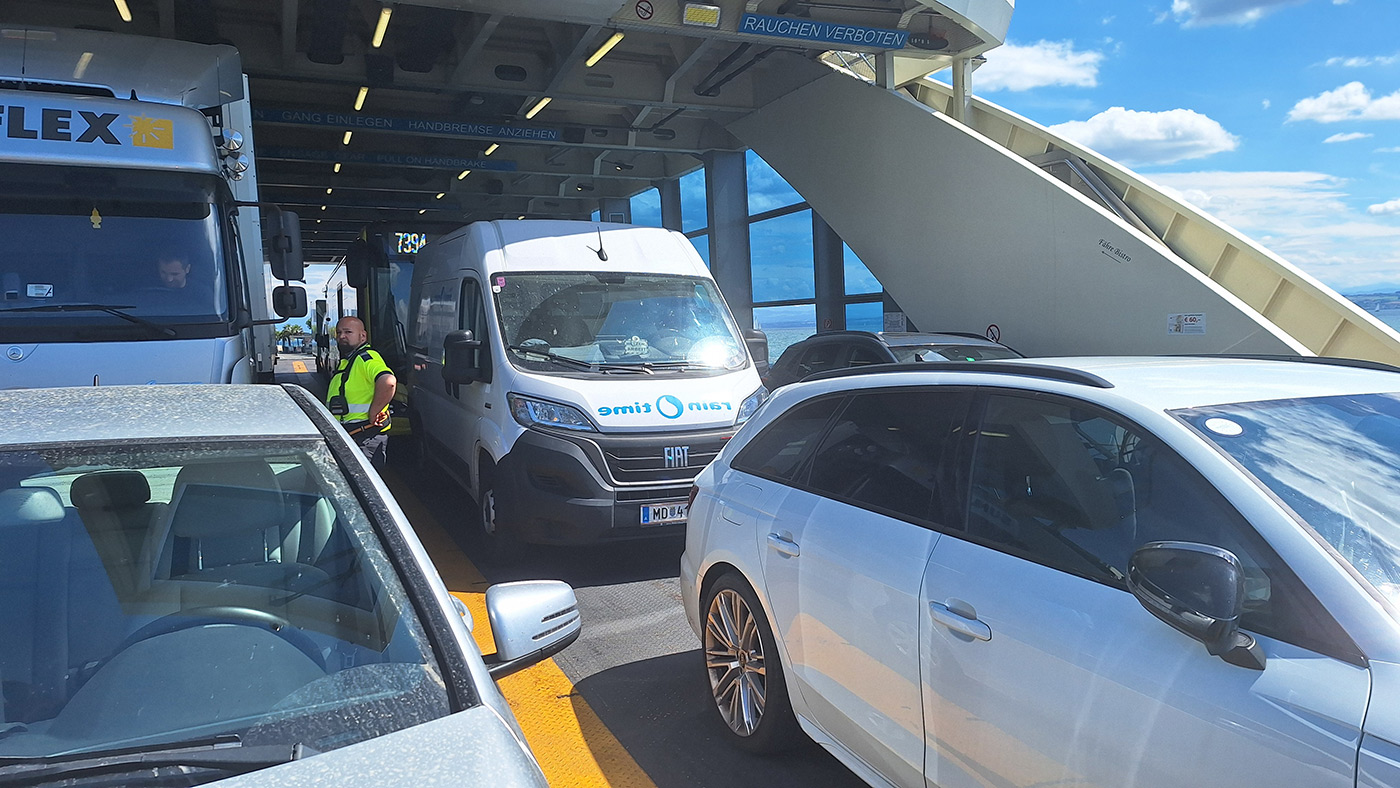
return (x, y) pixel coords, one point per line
(960, 108)
(670, 190)
(727, 205)
(615, 209)
(829, 259)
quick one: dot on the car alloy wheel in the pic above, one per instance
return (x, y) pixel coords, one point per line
(735, 661)
(747, 684)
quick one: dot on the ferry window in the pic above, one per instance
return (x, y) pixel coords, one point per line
(785, 325)
(646, 208)
(782, 258)
(859, 280)
(694, 211)
(702, 245)
(767, 189)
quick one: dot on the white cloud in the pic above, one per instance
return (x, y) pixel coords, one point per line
(1351, 101)
(1387, 150)
(1362, 62)
(1304, 217)
(1385, 208)
(1200, 13)
(1042, 64)
(1348, 137)
(1144, 138)
(1268, 103)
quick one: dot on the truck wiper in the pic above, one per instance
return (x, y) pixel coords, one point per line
(224, 753)
(111, 309)
(644, 367)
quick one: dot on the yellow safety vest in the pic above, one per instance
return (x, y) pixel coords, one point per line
(354, 379)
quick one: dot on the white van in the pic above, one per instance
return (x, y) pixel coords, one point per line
(574, 376)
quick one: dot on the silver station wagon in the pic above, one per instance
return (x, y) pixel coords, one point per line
(1166, 572)
(203, 583)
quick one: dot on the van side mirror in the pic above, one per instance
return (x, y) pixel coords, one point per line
(323, 340)
(531, 621)
(289, 301)
(460, 357)
(757, 342)
(1198, 590)
(282, 242)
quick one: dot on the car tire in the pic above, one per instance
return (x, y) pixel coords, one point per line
(499, 544)
(748, 688)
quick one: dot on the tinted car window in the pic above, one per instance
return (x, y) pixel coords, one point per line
(1075, 489)
(818, 358)
(863, 354)
(775, 453)
(890, 451)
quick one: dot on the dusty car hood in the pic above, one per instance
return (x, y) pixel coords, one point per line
(473, 747)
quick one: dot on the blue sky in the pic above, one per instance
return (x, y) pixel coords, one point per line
(1279, 117)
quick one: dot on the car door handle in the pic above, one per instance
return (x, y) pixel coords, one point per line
(953, 618)
(784, 545)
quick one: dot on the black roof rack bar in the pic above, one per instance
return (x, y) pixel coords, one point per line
(997, 367)
(1331, 361)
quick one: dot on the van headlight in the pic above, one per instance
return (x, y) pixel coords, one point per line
(750, 405)
(539, 413)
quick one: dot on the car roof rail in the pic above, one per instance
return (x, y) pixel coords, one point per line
(1331, 361)
(997, 367)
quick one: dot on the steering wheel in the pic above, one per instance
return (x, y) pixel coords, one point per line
(224, 614)
(671, 342)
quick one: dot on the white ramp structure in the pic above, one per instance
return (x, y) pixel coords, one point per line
(968, 227)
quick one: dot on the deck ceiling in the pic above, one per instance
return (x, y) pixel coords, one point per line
(647, 111)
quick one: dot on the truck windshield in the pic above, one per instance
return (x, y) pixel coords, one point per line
(80, 248)
(1335, 461)
(650, 321)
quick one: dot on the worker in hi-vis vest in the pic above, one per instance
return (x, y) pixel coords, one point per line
(361, 390)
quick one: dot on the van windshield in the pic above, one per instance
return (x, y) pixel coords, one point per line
(648, 321)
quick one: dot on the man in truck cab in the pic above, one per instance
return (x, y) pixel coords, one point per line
(360, 391)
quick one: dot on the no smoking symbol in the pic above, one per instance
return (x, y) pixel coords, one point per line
(644, 9)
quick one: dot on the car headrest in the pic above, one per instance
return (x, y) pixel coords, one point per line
(110, 490)
(29, 505)
(251, 473)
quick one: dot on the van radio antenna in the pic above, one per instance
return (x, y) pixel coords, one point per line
(602, 253)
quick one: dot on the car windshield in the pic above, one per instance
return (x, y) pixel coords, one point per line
(1335, 461)
(908, 353)
(617, 320)
(150, 245)
(164, 594)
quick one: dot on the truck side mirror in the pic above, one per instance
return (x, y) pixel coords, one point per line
(757, 342)
(323, 340)
(358, 260)
(282, 240)
(460, 351)
(289, 301)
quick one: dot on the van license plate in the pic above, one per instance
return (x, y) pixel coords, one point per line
(664, 514)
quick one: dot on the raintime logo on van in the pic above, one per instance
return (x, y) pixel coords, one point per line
(668, 405)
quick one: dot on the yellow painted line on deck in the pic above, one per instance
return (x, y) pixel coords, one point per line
(298, 366)
(575, 749)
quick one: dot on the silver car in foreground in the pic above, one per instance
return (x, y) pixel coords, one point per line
(209, 583)
(1093, 572)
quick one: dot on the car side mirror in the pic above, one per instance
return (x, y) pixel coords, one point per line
(531, 621)
(757, 342)
(1198, 590)
(460, 357)
(289, 301)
